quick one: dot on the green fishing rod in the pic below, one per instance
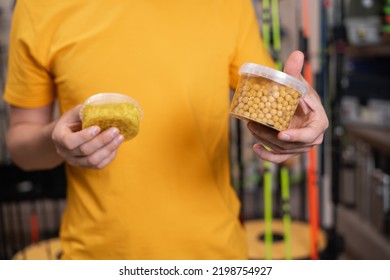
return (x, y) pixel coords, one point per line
(284, 172)
(267, 180)
(271, 15)
(276, 36)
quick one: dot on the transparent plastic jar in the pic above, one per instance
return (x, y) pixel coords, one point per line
(112, 110)
(266, 96)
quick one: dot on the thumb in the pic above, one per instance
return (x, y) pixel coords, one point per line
(70, 121)
(73, 115)
(294, 64)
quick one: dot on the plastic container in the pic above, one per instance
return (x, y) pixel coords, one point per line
(112, 110)
(266, 96)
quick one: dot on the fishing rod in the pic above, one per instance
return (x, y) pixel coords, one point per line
(312, 188)
(284, 172)
(267, 180)
(271, 20)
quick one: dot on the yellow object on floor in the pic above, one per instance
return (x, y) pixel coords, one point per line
(300, 240)
(45, 250)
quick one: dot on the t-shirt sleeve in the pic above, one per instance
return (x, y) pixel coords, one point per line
(249, 46)
(29, 83)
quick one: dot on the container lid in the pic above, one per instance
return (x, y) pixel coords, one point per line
(275, 75)
(110, 98)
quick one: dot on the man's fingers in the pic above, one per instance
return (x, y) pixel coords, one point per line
(307, 127)
(107, 160)
(89, 147)
(97, 142)
(71, 141)
(269, 156)
(73, 115)
(67, 132)
(289, 148)
(310, 135)
(101, 157)
(261, 131)
(294, 64)
(293, 67)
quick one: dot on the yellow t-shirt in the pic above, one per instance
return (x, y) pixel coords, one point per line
(167, 195)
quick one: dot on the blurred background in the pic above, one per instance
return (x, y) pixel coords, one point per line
(333, 203)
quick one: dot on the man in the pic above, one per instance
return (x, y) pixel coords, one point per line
(165, 194)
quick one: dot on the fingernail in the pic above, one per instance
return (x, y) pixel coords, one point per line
(251, 125)
(257, 149)
(285, 137)
(119, 139)
(114, 132)
(95, 130)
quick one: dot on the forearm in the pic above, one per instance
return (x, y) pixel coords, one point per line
(31, 147)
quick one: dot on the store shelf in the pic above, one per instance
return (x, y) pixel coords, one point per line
(369, 51)
(362, 240)
(366, 86)
(377, 136)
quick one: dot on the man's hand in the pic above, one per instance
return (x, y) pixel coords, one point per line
(307, 125)
(87, 147)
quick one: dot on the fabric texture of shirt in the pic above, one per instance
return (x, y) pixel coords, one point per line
(167, 194)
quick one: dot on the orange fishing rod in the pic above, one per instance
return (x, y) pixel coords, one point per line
(312, 187)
